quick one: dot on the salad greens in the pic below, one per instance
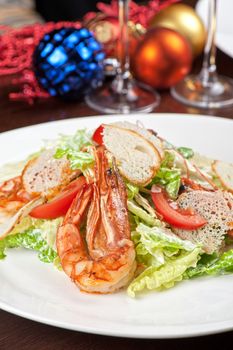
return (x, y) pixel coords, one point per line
(132, 190)
(164, 276)
(212, 265)
(38, 235)
(168, 176)
(186, 152)
(164, 256)
(72, 147)
(141, 214)
(30, 239)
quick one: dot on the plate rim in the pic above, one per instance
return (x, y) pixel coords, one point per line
(216, 328)
(130, 115)
(194, 331)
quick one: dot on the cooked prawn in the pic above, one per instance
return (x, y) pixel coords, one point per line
(102, 259)
(12, 197)
(15, 203)
(10, 188)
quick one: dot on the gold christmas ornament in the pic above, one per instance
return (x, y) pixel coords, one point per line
(183, 19)
(106, 30)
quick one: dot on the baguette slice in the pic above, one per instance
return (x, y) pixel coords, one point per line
(216, 208)
(147, 134)
(224, 172)
(46, 175)
(137, 158)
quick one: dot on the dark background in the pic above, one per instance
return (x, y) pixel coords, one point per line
(66, 10)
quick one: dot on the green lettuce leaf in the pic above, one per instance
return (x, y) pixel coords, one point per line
(165, 276)
(164, 256)
(72, 148)
(48, 230)
(168, 176)
(217, 182)
(76, 141)
(145, 204)
(35, 234)
(132, 190)
(156, 245)
(163, 238)
(141, 214)
(186, 152)
(212, 265)
(24, 224)
(30, 239)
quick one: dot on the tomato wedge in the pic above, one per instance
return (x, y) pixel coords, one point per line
(98, 135)
(59, 205)
(183, 219)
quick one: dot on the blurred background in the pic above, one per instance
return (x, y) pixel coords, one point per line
(20, 12)
(166, 43)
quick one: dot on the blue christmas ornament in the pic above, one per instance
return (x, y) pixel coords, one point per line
(68, 62)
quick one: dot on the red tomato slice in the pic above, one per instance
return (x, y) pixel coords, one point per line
(183, 219)
(59, 205)
(98, 135)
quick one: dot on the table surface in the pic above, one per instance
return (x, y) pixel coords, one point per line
(18, 333)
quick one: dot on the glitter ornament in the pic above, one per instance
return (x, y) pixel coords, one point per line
(107, 31)
(69, 62)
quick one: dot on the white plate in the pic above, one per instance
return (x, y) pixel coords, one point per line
(224, 37)
(37, 291)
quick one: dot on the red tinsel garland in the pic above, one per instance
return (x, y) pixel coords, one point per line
(17, 45)
(16, 52)
(137, 13)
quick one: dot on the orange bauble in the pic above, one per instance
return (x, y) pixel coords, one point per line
(162, 58)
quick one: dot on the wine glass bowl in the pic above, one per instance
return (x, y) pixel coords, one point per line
(207, 89)
(124, 94)
(214, 94)
(136, 97)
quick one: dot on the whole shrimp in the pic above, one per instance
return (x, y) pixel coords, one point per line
(101, 259)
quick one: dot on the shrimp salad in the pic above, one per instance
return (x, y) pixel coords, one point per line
(120, 207)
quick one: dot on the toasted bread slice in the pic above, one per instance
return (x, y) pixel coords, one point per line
(147, 134)
(224, 172)
(216, 208)
(137, 158)
(46, 175)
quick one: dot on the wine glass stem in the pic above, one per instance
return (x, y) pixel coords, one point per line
(123, 43)
(208, 72)
(121, 82)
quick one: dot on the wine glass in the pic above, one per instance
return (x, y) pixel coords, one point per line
(123, 94)
(207, 89)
